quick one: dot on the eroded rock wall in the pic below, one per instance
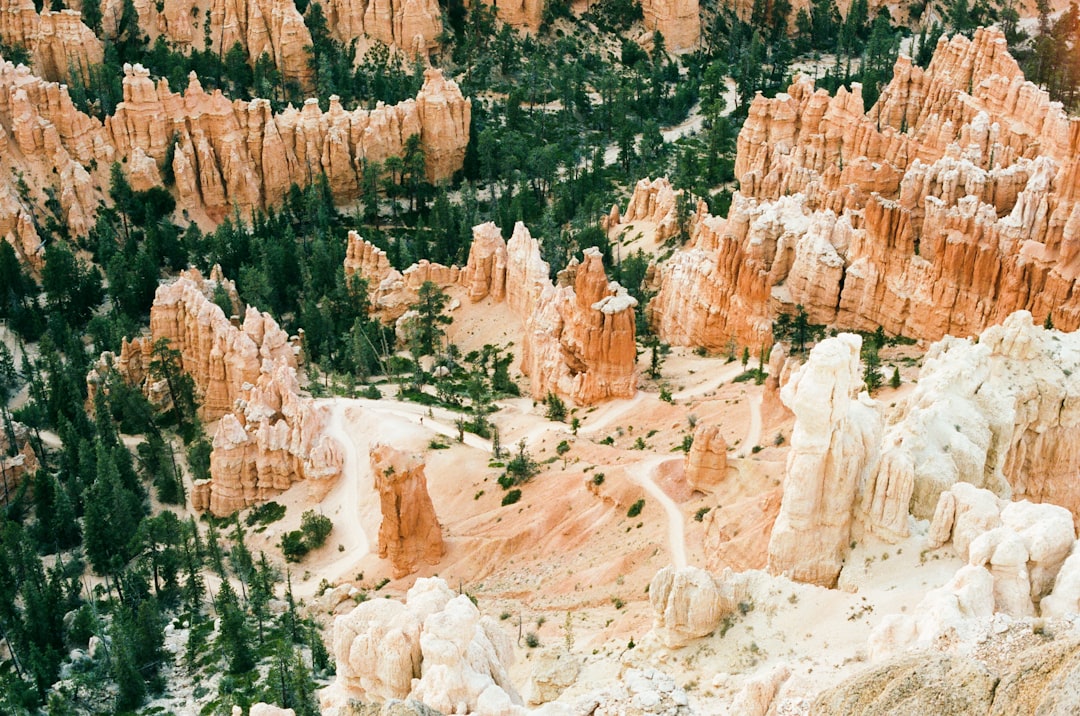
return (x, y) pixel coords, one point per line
(224, 154)
(58, 42)
(948, 205)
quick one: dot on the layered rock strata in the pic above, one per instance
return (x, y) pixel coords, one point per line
(224, 154)
(679, 21)
(834, 449)
(947, 206)
(58, 42)
(435, 648)
(409, 533)
(411, 25)
(269, 435)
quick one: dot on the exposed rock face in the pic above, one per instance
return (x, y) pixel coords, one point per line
(524, 15)
(639, 692)
(45, 138)
(579, 334)
(946, 207)
(274, 438)
(687, 604)
(1022, 545)
(222, 145)
(834, 447)
(1002, 413)
(485, 272)
(392, 292)
(58, 42)
(274, 27)
(225, 154)
(579, 340)
(409, 533)
(913, 685)
(679, 21)
(15, 468)
(269, 435)
(411, 25)
(220, 357)
(706, 463)
(435, 648)
(653, 202)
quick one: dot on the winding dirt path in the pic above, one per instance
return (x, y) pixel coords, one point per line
(753, 433)
(643, 474)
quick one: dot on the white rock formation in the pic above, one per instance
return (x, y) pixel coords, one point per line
(687, 604)
(1001, 413)
(834, 448)
(435, 648)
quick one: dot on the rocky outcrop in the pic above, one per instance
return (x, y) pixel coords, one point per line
(272, 27)
(15, 437)
(269, 435)
(524, 15)
(409, 533)
(390, 291)
(411, 25)
(224, 154)
(48, 141)
(219, 146)
(653, 202)
(435, 648)
(688, 604)
(485, 271)
(579, 340)
(834, 447)
(679, 21)
(1002, 413)
(947, 206)
(706, 462)
(579, 333)
(274, 438)
(912, 685)
(1023, 545)
(58, 42)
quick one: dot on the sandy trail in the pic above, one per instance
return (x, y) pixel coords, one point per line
(753, 433)
(350, 533)
(724, 375)
(643, 474)
(438, 420)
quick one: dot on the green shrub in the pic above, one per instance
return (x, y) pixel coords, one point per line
(556, 408)
(293, 546)
(598, 479)
(635, 509)
(265, 514)
(316, 528)
(562, 448)
(511, 497)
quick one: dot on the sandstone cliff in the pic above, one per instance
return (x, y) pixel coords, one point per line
(269, 435)
(679, 21)
(224, 154)
(944, 208)
(409, 533)
(834, 446)
(58, 42)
